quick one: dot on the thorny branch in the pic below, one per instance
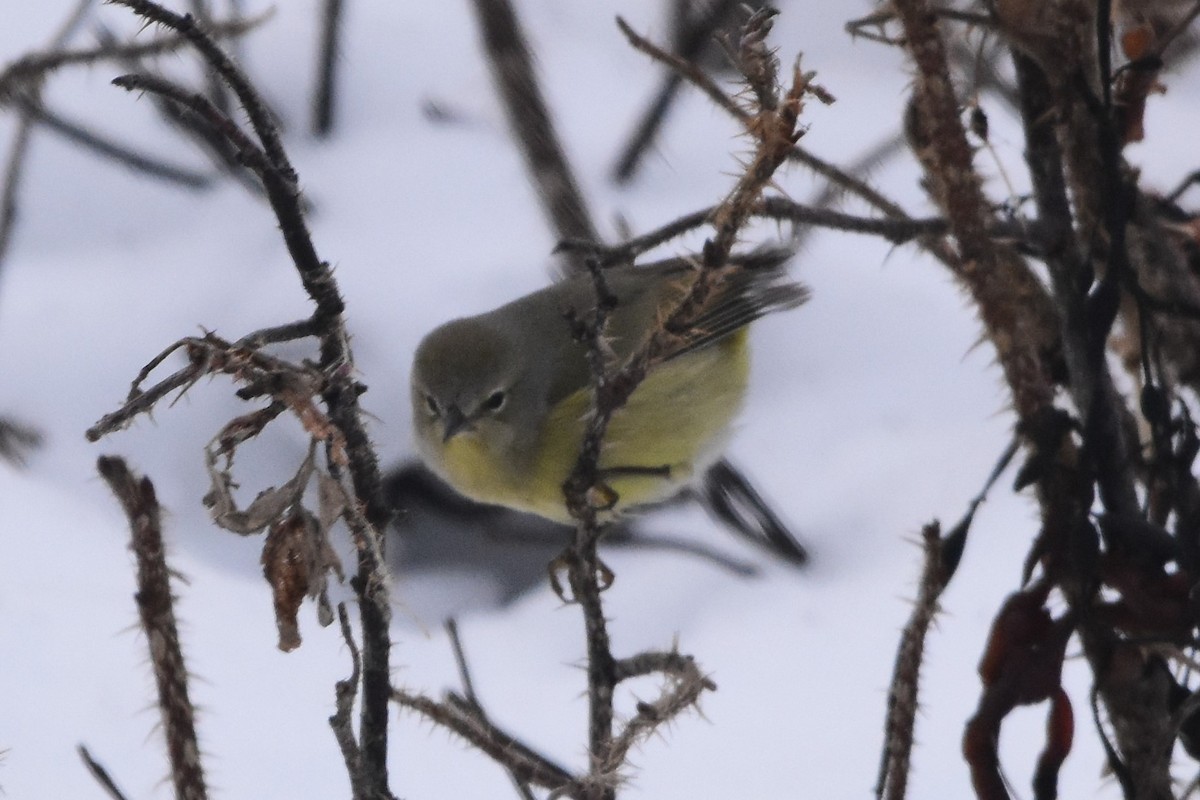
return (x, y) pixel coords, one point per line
(774, 127)
(902, 696)
(1093, 232)
(156, 609)
(352, 491)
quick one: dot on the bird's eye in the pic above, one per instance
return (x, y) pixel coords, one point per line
(432, 405)
(494, 401)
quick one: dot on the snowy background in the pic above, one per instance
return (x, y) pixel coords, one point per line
(871, 413)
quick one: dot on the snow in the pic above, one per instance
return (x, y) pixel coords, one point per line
(872, 412)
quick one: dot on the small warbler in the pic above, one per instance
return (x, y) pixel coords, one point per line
(500, 400)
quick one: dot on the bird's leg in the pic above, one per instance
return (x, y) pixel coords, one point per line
(562, 563)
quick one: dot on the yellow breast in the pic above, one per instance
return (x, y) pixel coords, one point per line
(677, 418)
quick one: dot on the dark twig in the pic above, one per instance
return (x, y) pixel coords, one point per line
(16, 440)
(156, 610)
(530, 120)
(13, 173)
(472, 699)
(324, 99)
(15, 168)
(697, 37)
(775, 131)
(216, 89)
(897, 230)
(353, 461)
(199, 130)
(704, 83)
(101, 775)
(35, 66)
(120, 153)
(248, 151)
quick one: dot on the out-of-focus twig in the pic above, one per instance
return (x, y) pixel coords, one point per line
(693, 41)
(101, 775)
(325, 96)
(530, 119)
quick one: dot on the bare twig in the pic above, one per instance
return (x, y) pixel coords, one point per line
(16, 440)
(101, 775)
(324, 99)
(775, 131)
(529, 766)
(704, 83)
(156, 610)
(15, 167)
(357, 466)
(216, 88)
(345, 691)
(33, 67)
(116, 151)
(697, 37)
(472, 699)
(687, 684)
(530, 119)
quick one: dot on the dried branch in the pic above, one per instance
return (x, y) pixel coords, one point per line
(723, 100)
(216, 89)
(687, 683)
(345, 691)
(356, 465)
(527, 765)
(1006, 292)
(775, 132)
(529, 118)
(156, 610)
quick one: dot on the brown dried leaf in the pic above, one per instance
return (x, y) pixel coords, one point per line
(287, 566)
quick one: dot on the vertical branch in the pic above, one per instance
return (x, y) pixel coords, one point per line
(324, 104)
(902, 696)
(369, 516)
(529, 118)
(156, 609)
(1006, 292)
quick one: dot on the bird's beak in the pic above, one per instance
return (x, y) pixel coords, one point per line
(453, 422)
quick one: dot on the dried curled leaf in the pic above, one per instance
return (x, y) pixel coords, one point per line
(267, 508)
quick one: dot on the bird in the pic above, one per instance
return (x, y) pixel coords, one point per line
(500, 400)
